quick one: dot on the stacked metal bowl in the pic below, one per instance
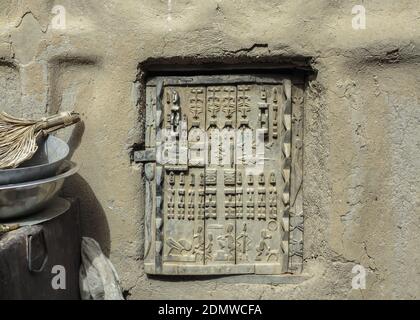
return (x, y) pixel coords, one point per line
(30, 187)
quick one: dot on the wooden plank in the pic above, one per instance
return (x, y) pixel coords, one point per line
(256, 78)
(296, 191)
(190, 269)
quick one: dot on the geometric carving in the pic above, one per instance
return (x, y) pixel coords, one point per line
(229, 177)
(229, 102)
(201, 205)
(239, 203)
(191, 205)
(286, 170)
(275, 112)
(261, 204)
(272, 203)
(210, 209)
(181, 197)
(244, 106)
(250, 204)
(239, 178)
(213, 103)
(261, 200)
(171, 196)
(250, 199)
(230, 203)
(196, 104)
(296, 198)
(211, 177)
(263, 117)
(272, 197)
(181, 204)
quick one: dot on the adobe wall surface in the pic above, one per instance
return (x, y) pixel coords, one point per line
(362, 124)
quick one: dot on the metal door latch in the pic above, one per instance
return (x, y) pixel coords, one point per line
(144, 156)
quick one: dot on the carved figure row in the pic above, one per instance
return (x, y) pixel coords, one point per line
(227, 247)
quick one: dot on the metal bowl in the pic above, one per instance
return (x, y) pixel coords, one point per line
(18, 200)
(49, 157)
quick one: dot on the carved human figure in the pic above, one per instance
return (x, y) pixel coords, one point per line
(209, 247)
(198, 244)
(227, 242)
(175, 112)
(263, 249)
(243, 241)
(180, 247)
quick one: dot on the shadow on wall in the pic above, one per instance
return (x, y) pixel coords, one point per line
(92, 216)
(75, 138)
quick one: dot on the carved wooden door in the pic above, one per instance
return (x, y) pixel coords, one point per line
(228, 166)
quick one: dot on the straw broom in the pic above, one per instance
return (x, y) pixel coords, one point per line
(18, 137)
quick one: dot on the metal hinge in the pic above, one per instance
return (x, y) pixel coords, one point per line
(143, 156)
